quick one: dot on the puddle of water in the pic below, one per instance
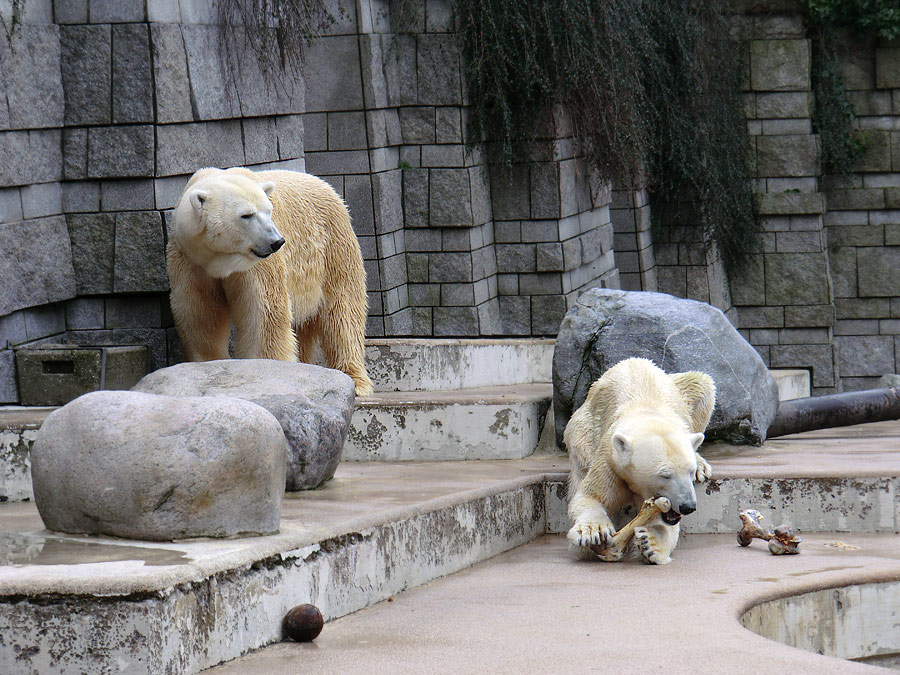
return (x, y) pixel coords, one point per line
(38, 549)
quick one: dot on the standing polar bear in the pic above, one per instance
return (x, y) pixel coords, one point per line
(634, 438)
(226, 264)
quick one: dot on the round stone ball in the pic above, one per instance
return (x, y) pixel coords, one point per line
(303, 623)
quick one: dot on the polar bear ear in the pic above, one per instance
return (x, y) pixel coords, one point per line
(198, 199)
(267, 187)
(696, 440)
(622, 445)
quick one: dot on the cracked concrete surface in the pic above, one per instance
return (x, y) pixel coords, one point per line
(381, 528)
(537, 609)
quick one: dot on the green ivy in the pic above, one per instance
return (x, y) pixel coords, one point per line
(278, 31)
(877, 17)
(832, 115)
(652, 88)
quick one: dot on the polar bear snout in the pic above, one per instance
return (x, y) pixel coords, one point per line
(687, 508)
(272, 248)
(265, 237)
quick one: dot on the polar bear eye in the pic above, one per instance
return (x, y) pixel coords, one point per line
(247, 216)
(665, 475)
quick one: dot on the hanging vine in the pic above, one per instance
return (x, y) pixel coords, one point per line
(653, 90)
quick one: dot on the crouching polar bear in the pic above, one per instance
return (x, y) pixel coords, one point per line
(273, 252)
(636, 437)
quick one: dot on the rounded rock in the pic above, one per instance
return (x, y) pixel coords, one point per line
(606, 326)
(313, 405)
(142, 466)
(303, 623)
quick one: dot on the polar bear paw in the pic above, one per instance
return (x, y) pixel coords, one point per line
(704, 470)
(648, 548)
(587, 534)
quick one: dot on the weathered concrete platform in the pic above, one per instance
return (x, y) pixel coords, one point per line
(479, 423)
(376, 530)
(536, 609)
(502, 421)
(409, 364)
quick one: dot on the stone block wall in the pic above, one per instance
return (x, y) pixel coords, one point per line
(453, 247)
(784, 294)
(823, 290)
(109, 107)
(863, 219)
(823, 293)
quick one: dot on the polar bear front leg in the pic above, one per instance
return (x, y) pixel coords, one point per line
(199, 308)
(593, 525)
(655, 543)
(261, 314)
(704, 470)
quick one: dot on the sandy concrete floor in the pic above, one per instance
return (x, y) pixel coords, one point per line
(537, 609)
(364, 494)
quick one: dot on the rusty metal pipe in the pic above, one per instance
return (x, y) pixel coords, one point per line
(835, 410)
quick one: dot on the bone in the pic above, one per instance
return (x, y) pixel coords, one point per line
(751, 529)
(649, 510)
(782, 541)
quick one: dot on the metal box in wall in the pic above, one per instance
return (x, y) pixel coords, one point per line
(56, 374)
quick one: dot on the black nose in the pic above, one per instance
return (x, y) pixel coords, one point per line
(685, 509)
(277, 245)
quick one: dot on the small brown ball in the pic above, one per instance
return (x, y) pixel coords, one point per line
(303, 623)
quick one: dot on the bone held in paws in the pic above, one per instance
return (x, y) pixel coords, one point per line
(649, 510)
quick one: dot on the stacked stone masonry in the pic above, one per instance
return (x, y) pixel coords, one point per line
(108, 109)
(110, 106)
(823, 292)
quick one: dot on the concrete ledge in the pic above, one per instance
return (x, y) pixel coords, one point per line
(406, 364)
(540, 607)
(18, 429)
(148, 601)
(792, 383)
(481, 423)
(376, 529)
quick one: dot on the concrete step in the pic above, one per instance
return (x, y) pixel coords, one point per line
(98, 604)
(18, 429)
(497, 422)
(539, 607)
(478, 423)
(406, 364)
(792, 383)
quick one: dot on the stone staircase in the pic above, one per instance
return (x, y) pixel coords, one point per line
(394, 517)
(438, 400)
(435, 400)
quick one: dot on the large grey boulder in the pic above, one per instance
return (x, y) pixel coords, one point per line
(313, 405)
(607, 326)
(142, 466)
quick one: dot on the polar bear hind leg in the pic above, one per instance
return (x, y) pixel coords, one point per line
(655, 543)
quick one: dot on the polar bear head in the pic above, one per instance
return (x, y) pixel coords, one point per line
(223, 222)
(657, 459)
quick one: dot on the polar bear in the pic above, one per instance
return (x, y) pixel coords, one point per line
(636, 437)
(274, 253)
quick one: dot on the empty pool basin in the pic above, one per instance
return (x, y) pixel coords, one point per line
(860, 622)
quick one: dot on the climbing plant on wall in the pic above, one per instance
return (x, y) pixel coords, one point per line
(832, 113)
(276, 30)
(652, 88)
(877, 17)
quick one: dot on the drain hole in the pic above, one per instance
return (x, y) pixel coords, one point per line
(59, 367)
